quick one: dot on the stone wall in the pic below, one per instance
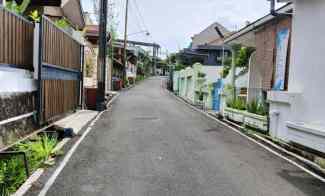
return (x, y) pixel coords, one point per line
(12, 105)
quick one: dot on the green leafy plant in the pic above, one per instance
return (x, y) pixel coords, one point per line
(242, 56)
(34, 16)
(238, 104)
(201, 75)
(257, 108)
(38, 151)
(139, 78)
(18, 9)
(125, 83)
(62, 23)
(12, 170)
(12, 173)
(179, 67)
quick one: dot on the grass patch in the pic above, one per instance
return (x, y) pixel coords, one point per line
(12, 170)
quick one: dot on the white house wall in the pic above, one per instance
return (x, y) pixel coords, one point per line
(308, 66)
(16, 80)
(213, 73)
(303, 104)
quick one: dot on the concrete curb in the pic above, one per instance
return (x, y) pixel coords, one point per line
(283, 150)
(66, 159)
(312, 173)
(29, 182)
(38, 173)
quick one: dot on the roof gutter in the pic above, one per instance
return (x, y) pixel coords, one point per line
(281, 11)
(274, 12)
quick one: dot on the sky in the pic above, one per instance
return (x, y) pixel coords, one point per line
(172, 23)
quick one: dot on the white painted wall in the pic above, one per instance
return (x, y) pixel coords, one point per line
(213, 73)
(304, 101)
(176, 81)
(16, 80)
(307, 69)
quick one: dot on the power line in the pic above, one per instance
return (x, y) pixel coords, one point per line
(140, 14)
(138, 23)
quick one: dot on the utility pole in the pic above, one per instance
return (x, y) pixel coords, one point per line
(233, 72)
(101, 62)
(125, 38)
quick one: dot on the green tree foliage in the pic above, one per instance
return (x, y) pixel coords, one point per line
(179, 67)
(172, 58)
(242, 55)
(18, 9)
(144, 64)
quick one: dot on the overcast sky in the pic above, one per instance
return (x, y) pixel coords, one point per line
(173, 22)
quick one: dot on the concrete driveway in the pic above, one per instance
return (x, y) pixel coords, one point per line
(150, 144)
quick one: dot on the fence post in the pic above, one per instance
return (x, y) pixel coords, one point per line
(38, 63)
(81, 82)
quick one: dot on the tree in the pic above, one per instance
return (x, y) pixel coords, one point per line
(242, 55)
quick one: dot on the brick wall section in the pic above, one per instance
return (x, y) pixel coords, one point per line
(12, 105)
(266, 49)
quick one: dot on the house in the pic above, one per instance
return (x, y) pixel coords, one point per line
(60, 9)
(91, 49)
(192, 82)
(133, 55)
(251, 85)
(212, 35)
(297, 111)
(261, 35)
(206, 47)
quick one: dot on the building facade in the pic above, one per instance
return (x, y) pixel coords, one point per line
(297, 114)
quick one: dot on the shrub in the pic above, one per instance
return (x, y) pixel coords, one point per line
(139, 78)
(201, 75)
(238, 104)
(12, 174)
(257, 108)
(12, 170)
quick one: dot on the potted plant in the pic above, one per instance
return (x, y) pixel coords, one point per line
(256, 116)
(235, 110)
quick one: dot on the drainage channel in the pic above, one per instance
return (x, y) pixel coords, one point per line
(283, 152)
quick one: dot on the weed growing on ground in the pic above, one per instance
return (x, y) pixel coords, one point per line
(12, 170)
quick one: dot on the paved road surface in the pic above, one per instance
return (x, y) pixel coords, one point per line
(152, 145)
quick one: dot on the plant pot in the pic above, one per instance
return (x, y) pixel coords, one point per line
(234, 115)
(256, 121)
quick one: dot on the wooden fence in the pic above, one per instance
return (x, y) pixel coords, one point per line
(16, 40)
(60, 72)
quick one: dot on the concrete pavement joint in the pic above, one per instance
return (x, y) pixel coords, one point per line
(251, 139)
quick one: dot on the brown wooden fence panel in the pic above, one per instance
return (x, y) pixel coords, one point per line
(60, 97)
(59, 48)
(61, 72)
(16, 40)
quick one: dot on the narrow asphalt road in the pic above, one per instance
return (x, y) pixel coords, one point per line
(150, 144)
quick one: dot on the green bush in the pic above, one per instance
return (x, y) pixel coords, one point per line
(12, 174)
(12, 170)
(139, 78)
(257, 108)
(201, 75)
(62, 23)
(238, 104)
